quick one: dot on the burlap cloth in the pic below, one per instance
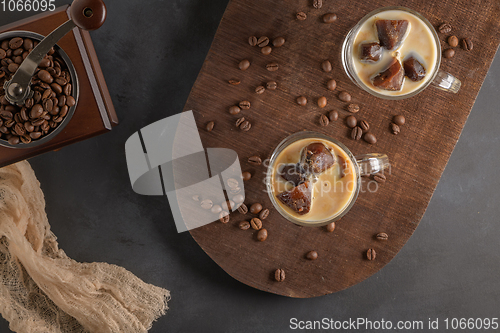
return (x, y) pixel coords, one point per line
(42, 290)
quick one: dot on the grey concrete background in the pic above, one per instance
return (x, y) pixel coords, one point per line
(151, 53)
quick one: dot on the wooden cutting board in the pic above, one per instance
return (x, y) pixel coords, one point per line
(418, 155)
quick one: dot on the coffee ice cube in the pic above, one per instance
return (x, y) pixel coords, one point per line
(414, 70)
(391, 32)
(293, 173)
(298, 198)
(391, 78)
(371, 52)
(316, 158)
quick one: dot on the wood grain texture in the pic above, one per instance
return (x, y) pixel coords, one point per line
(86, 121)
(418, 154)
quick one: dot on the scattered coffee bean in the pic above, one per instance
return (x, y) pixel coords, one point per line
(239, 121)
(234, 82)
(333, 115)
(448, 53)
(317, 4)
(279, 275)
(245, 126)
(245, 105)
(364, 125)
(312, 255)
(322, 101)
(354, 108)
(467, 44)
(272, 67)
(262, 235)
(244, 225)
(329, 18)
(356, 133)
(243, 209)
(444, 28)
(260, 90)
(344, 96)
(207, 204)
(323, 120)
(351, 121)
(246, 176)
(331, 85)
(326, 66)
(16, 43)
(301, 100)
(244, 64)
(395, 129)
(263, 41)
(264, 214)
(399, 120)
(278, 41)
(330, 227)
(271, 85)
(371, 254)
(453, 41)
(379, 178)
(301, 16)
(255, 208)
(382, 236)
(252, 41)
(234, 110)
(370, 138)
(266, 50)
(255, 160)
(256, 223)
(216, 209)
(224, 216)
(210, 126)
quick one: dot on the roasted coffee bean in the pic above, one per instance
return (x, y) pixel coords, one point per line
(29, 127)
(45, 76)
(264, 214)
(70, 101)
(244, 225)
(29, 103)
(37, 97)
(323, 120)
(224, 216)
(19, 129)
(210, 126)
(48, 105)
(61, 101)
(278, 41)
(301, 100)
(453, 41)
(344, 96)
(9, 123)
(2, 73)
(260, 90)
(39, 122)
(448, 53)
(256, 223)
(466, 44)
(399, 120)
(56, 88)
(326, 66)
(255, 208)
(52, 124)
(234, 110)
(240, 121)
(3, 54)
(364, 125)
(245, 105)
(330, 227)
(25, 138)
(35, 135)
(333, 115)
(329, 18)
(312, 255)
(6, 114)
(301, 16)
(13, 67)
(351, 121)
(255, 160)
(444, 28)
(331, 85)
(4, 130)
(271, 85)
(263, 41)
(272, 67)
(395, 129)
(379, 178)
(245, 126)
(356, 133)
(317, 4)
(46, 94)
(57, 119)
(232, 82)
(243, 209)
(382, 236)
(16, 43)
(322, 101)
(44, 63)
(63, 111)
(371, 254)
(5, 45)
(370, 138)
(14, 140)
(207, 204)
(262, 235)
(266, 50)
(246, 176)
(36, 111)
(28, 44)
(353, 108)
(17, 118)
(279, 275)
(252, 40)
(244, 64)
(51, 71)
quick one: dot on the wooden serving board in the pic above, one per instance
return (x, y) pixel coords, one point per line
(418, 155)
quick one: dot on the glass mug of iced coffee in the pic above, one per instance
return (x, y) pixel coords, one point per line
(314, 180)
(395, 53)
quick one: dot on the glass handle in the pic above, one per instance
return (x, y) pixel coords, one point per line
(447, 82)
(372, 163)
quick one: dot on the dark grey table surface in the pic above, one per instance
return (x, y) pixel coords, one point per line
(151, 53)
